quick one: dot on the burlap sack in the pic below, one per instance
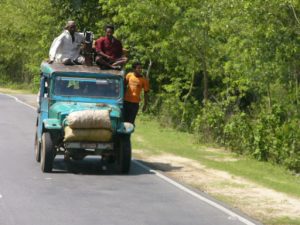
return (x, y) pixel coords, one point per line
(97, 135)
(89, 119)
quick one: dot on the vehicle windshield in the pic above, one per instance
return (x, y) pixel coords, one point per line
(87, 87)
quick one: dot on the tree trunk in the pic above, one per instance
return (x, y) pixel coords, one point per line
(205, 73)
(296, 76)
(186, 98)
(205, 83)
(269, 98)
(205, 79)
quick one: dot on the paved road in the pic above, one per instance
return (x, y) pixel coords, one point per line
(81, 193)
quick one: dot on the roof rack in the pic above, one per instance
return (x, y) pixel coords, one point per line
(59, 67)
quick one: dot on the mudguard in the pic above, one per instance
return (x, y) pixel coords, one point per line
(126, 128)
(52, 124)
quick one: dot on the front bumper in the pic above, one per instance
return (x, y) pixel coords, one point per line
(89, 145)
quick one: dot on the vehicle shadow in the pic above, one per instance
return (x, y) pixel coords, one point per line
(94, 166)
(159, 166)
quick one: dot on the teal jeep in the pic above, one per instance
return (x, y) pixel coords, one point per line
(80, 114)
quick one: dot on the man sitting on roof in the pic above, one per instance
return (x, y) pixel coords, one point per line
(109, 51)
(66, 47)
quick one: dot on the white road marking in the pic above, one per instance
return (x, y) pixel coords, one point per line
(19, 101)
(1, 196)
(231, 215)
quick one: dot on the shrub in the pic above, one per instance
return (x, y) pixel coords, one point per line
(209, 123)
(238, 134)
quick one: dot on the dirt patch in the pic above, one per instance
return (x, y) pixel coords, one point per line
(251, 198)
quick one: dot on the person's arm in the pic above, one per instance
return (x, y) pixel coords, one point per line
(104, 55)
(145, 101)
(146, 88)
(126, 80)
(54, 46)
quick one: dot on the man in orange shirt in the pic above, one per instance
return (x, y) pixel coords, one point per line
(135, 83)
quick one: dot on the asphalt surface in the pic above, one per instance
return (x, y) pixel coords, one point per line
(81, 193)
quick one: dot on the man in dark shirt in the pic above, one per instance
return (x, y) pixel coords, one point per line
(109, 51)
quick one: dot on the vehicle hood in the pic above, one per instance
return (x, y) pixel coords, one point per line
(60, 110)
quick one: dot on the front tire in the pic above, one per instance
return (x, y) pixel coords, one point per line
(124, 155)
(47, 153)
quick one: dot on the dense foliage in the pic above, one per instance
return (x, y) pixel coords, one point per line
(227, 71)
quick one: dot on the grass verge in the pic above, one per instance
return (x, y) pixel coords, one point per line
(283, 221)
(153, 139)
(10, 90)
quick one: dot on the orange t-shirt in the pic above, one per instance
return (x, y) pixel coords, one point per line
(134, 87)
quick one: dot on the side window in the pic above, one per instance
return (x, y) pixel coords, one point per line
(46, 88)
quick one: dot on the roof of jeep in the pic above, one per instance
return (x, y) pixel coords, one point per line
(59, 67)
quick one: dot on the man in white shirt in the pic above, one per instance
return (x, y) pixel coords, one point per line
(66, 47)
